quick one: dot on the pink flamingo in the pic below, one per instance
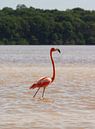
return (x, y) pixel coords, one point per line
(45, 81)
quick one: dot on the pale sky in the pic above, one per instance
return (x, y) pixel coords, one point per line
(50, 4)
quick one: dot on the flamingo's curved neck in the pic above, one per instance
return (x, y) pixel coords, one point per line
(53, 76)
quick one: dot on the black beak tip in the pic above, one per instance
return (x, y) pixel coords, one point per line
(59, 51)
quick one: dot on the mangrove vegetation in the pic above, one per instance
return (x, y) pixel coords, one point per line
(31, 26)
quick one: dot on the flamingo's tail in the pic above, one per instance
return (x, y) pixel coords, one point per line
(33, 86)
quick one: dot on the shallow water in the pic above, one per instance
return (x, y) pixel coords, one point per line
(69, 102)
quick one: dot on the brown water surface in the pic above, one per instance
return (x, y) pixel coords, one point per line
(69, 102)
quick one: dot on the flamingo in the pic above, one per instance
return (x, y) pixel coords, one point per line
(45, 81)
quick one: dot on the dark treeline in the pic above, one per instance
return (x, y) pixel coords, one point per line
(36, 26)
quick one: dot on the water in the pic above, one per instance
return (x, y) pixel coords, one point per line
(69, 102)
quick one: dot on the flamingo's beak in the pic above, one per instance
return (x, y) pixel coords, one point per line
(58, 50)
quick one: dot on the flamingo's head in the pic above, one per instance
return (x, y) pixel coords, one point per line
(55, 49)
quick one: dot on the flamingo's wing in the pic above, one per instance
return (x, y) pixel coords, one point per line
(45, 81)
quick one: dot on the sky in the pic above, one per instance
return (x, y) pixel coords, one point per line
(50, 4)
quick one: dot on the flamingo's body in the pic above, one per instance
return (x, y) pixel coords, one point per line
(45, 81)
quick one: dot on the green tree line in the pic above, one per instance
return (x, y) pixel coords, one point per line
(31, 26)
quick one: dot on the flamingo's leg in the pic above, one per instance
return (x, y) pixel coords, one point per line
(43, 91)
(36, 92)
